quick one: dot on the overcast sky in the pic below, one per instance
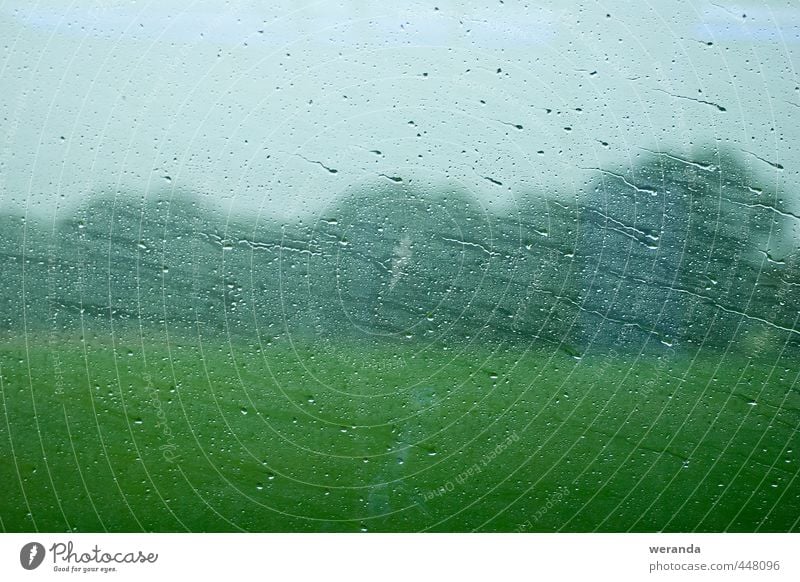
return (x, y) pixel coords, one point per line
(283, 107)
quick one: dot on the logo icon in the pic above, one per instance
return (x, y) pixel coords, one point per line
(31, 555)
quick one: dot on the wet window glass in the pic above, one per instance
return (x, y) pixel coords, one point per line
(417, 266)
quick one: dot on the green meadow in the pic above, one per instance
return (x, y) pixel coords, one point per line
(144, 432)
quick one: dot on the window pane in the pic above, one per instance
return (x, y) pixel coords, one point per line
(351, 266)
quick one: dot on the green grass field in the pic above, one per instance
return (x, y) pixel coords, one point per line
(143, 434)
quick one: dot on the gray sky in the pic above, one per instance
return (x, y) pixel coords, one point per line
(257, 105)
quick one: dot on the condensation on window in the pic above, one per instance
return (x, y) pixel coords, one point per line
(417, 266)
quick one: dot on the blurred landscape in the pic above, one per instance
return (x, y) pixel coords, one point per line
(168, 366)
(678, 253)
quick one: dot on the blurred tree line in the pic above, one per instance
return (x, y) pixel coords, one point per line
(672, 253)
